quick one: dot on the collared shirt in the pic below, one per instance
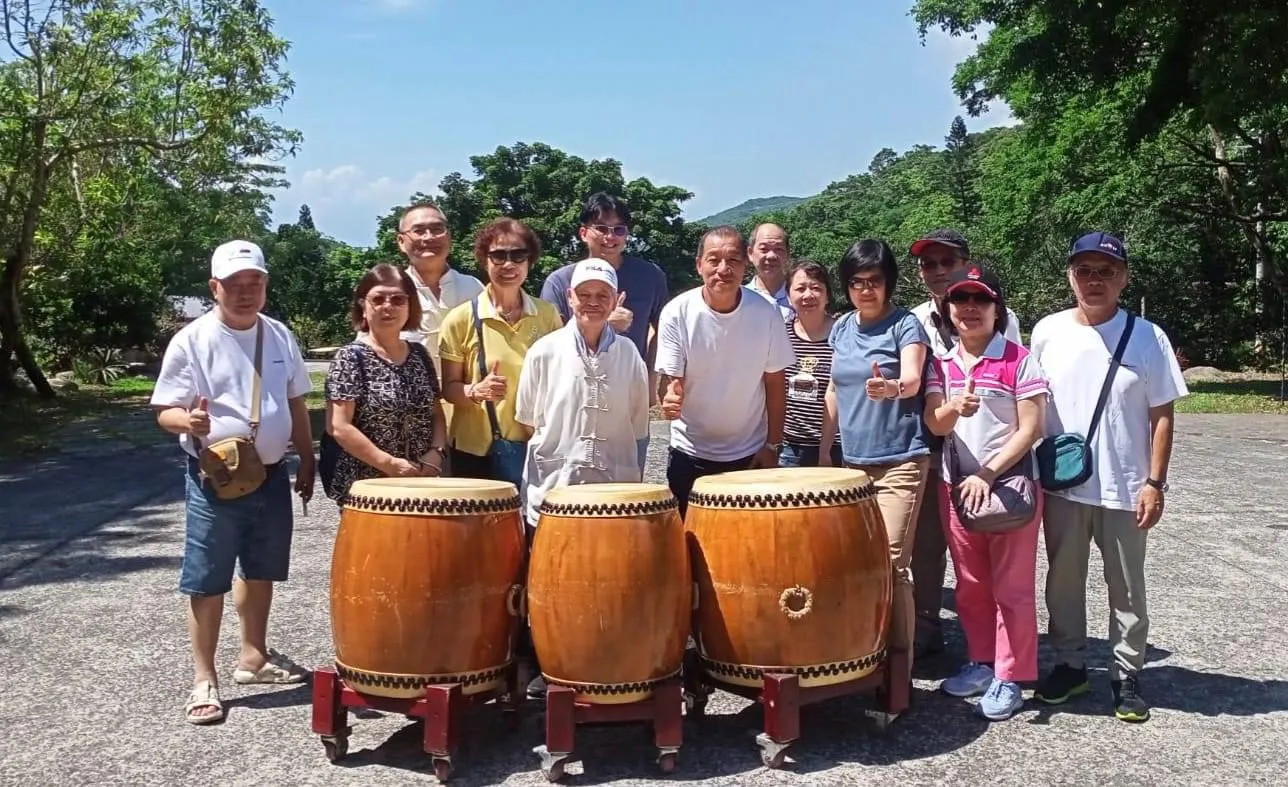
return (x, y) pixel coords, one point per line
(1004, 374)
(507, 344)
(455, 288)
(936, 326)
(587, 412)
(779, 298)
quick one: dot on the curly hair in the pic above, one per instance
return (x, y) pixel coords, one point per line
(500, 228)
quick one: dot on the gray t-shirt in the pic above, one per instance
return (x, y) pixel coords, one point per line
(646, 293)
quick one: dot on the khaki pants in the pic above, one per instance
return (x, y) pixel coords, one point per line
(899, 492)
(929, 561)
(1069, 529)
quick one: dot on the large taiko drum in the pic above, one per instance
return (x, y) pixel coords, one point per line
(609, 590)
(792, 571)
(425, 584)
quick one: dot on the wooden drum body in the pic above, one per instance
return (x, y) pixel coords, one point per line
(793, 572)
(609, 590)
(425, 584)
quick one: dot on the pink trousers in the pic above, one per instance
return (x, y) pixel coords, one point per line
(996, 592)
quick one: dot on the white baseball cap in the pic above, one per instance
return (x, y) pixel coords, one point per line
(594, 269)
(236, 256)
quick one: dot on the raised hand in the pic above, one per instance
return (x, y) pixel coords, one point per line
(673, 400)
(621, 318)
(966, 403)
(877, 386)
(491, 388)
(199, 418)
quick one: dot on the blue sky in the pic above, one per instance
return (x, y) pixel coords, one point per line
(730, 100)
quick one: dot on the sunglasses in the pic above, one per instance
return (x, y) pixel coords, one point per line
(618, 230)
(397, 299)
(977, 298)
(930, 265)
(866, 284)
(1086, 273)
(500, 256)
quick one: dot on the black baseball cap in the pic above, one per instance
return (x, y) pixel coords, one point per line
(975, 277)
(944, 237)
(1101, 242)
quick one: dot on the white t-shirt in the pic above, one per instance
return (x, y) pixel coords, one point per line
(925, 312)
(586, 416)
(207, 358)
(723, 359)
(1075, 359)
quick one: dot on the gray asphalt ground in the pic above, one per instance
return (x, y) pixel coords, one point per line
(95, 658)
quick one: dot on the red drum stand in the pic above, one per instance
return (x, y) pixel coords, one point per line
(783, 697)
(441, 709)
(664, 709)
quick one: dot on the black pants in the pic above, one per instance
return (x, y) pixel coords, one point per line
(466, 465)
(683, 469)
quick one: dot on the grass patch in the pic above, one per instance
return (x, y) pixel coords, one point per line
(1233, 397)
(30, 424)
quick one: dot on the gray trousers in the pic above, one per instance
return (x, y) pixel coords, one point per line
(1069, 529)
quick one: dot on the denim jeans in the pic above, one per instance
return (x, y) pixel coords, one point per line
(794, 455)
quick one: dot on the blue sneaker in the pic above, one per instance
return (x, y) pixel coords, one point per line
(974, 678)
(1001, 701)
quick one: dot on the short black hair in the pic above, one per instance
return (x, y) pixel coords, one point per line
(866, 254)
(600, 204)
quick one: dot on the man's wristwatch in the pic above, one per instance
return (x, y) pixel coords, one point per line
(1161, 486)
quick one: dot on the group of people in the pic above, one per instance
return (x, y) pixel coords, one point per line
(941, 406)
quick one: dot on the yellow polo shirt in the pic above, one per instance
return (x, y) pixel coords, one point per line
(470, 429)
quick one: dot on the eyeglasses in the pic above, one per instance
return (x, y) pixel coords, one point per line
(858, 283)
(930, 265)
(977, 298)
(1087, 273)
(397, 299)
(619, 230)
(502, 256)
(435, 230)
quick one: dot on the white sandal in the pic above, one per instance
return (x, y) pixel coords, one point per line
(277, 670)
(205, 694)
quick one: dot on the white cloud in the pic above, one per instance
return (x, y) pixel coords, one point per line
(345, 200)
(399, 6)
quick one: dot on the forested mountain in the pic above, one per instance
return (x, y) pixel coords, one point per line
(743, 211)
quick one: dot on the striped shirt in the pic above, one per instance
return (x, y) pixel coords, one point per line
(807, 381)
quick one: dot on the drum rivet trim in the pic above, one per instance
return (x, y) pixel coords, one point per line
(406, 682)
(611, 688)
(783, 500)
(435, 507)
(648, 508)
(748, 672)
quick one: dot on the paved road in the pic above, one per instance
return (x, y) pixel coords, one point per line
(94, 655)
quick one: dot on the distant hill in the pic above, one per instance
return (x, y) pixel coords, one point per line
(750, 208)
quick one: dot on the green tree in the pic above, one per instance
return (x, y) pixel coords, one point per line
(174, 86)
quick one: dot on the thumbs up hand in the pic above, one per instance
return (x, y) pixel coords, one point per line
(621, 318)
(199, 418)
(673, 400)
(878, 387)
(491, 388)
(966, 403)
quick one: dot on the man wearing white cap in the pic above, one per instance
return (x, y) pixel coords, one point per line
(584, 392)
(206, 393)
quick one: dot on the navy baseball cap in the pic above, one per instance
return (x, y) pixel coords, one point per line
(976, 277)
(944, 237)
(1101, 242)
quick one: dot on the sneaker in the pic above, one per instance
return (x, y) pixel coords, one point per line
(1002, 700)
(537, 688)
(974, 678)
(1063, 684)
(1128, 704)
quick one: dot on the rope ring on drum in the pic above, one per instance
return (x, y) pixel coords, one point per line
(516, 602)
(803, 598)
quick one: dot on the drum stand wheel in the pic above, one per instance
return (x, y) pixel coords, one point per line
(664, 708)
(440, 709)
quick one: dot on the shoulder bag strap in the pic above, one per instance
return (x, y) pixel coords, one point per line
(1109, 376)
(482, 358)
(256, 387)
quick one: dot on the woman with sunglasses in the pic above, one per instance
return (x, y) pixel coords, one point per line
(987, 396)
(875, 401)
(497, 327)
(385, 411)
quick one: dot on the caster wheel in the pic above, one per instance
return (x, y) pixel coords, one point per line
(442, 769)
(772, 759)
(666, 762)
(554, 773)
(772, 752)
(695, 704)
(336, 748)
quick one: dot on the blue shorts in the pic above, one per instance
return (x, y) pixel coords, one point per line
(251, 533)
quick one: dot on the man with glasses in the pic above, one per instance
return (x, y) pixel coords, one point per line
(769, 253)
(939, 255)
(642, 290)
(1130, 452)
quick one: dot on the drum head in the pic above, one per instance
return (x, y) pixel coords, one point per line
(782, 487)
(608, 500)
(464, 494)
